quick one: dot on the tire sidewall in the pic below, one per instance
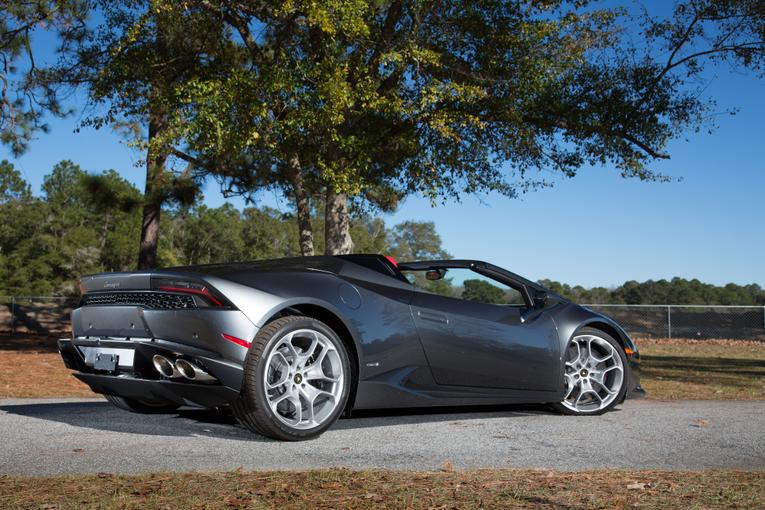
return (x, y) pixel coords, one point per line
(258, 393)
(625, 366)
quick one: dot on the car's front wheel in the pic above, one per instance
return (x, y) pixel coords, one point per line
(296, 380)
(594, 373)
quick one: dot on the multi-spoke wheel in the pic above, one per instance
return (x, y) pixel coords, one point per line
(296, 381)
(594, 373)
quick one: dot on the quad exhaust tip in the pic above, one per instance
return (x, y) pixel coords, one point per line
(192, 372)
(164, 366)
(180, 368)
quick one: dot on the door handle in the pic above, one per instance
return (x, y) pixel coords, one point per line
(433, 317)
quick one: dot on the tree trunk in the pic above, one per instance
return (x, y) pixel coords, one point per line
(337, 231)
(155, 161)
(152, 209)
(147, 254)
(305, 229)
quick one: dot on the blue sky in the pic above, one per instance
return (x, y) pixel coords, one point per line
(595, 229)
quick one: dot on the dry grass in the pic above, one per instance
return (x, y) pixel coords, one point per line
(30, 367)
(672, 370)
(27, 374)
(339, 488)
(703, 369)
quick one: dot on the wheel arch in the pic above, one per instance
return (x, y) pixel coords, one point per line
(612, 329)
(338, 325)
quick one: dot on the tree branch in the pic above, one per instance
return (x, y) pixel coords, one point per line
(683, 40)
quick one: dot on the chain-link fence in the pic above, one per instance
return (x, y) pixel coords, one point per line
(49, 316)
(688, 321)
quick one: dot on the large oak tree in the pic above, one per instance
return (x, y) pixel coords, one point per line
(358, 102)
(350, 103)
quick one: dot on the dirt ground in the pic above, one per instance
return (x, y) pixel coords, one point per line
(341, 488)
(671, 369)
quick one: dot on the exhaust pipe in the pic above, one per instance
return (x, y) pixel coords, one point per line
(192, 372)
(164, 366)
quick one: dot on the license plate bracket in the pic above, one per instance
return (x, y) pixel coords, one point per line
(106, 362)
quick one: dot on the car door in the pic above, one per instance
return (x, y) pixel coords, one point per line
(476, 344)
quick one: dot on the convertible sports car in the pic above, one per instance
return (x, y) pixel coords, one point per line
(291, 344)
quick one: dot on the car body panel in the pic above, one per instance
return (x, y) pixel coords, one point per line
(484, 345)
(409, 348)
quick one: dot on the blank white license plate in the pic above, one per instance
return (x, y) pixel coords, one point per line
(125, 355)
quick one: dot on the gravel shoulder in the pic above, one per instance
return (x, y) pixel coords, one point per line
(82, 436)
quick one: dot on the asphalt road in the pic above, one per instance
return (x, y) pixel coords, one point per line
(47, 437)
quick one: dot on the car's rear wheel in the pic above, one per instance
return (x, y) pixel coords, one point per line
(140, 406)
(594, 373)
(296, 380)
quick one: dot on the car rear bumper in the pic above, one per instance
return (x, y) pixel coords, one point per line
(140, 380)
(160, 391)
(128, 338)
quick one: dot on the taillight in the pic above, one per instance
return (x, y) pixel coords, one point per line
(203, 295)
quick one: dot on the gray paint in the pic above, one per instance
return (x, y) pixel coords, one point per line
(414, 348)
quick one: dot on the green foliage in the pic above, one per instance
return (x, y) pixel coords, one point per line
(16, 203)
(377, 100)
(677, 291)
(21, 110)
(268, 234)
(447, 98)
(413, 240)
(12, 185)
(482, 292)
(67, 232)
(86, 223)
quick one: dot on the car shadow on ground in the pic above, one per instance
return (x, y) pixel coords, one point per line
(188, 422)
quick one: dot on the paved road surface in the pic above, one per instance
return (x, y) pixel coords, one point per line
(46, 437)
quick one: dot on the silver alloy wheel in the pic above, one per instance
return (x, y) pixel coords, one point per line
(594, 374)
(303, 379)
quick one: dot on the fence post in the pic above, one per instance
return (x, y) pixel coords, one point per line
(669, 321)
(13, 315)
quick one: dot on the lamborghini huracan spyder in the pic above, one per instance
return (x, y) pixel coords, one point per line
(291, 344)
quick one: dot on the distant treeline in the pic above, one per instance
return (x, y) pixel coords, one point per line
(677, 291)
(83, 223)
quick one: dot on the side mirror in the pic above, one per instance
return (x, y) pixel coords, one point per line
(435, 274)
(540, 299)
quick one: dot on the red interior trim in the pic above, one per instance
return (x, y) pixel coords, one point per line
(392, 260)
(202, 292)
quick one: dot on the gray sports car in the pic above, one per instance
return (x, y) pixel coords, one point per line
(291, 344)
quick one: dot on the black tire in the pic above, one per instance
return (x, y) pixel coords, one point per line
(251, 409)
(139, 406)
(619, 349)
